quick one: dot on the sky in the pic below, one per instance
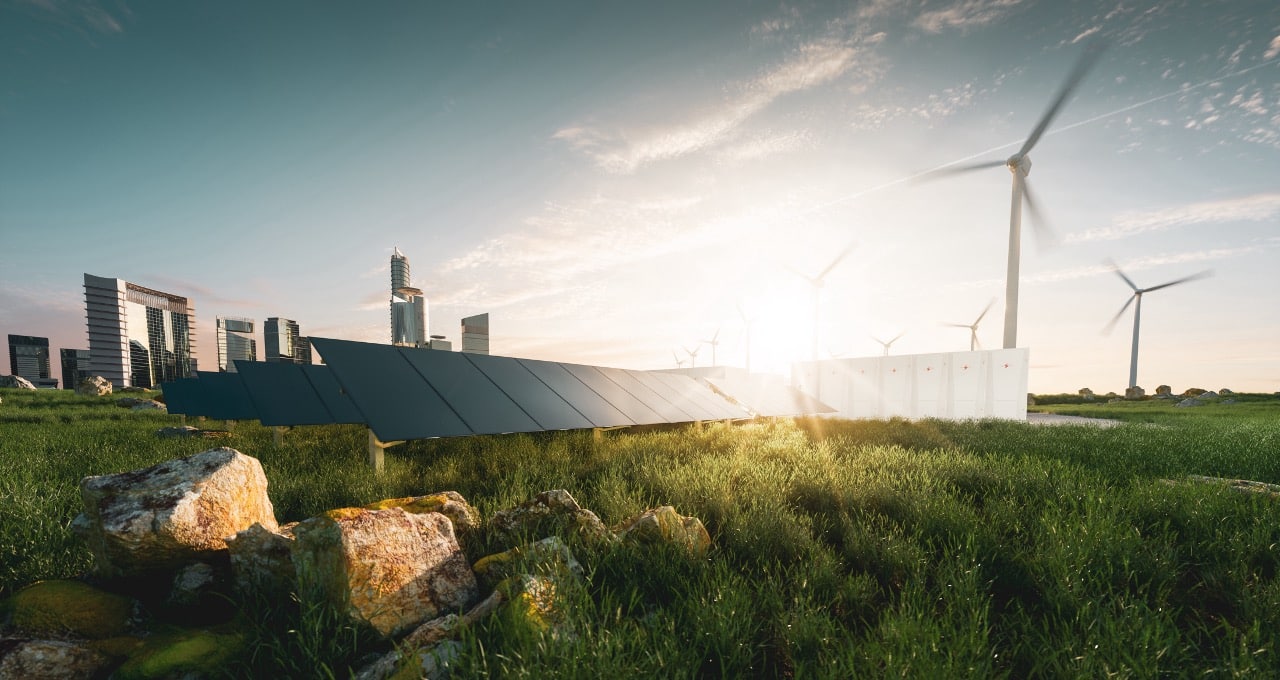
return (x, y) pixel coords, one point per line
(616, 183)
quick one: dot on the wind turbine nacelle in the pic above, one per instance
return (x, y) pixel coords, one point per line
(1020, 164)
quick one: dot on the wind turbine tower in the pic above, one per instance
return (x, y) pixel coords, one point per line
(973, 327)
(817, 282)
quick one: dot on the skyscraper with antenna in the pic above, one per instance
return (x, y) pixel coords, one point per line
(408, 305)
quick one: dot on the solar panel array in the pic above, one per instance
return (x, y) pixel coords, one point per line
(404, 393)
(410, 393)
(766, 395)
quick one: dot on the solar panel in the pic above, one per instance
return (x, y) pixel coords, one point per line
(394, 399)
(480, 403)
(183, 396)
(632, 408)
(282, 394)
(697, 396)
(586, 401)
(225, 397)
(330, 393)
(646, 395)
(546, 407)
(769, 396)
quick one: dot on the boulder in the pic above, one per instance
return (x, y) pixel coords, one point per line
(182, 431)
(549, 555)
(69, 608)
(180, 654)
(665, 525)
(49, 660)
(451, 504)
(200, 594)
(16, 382)
(1164, 391)
(132, 389)
(172, 514)
(149, 405)
(538, 601)
(262, 560)
(388, 568)
(1224, 392)
(418, 654)
(1134, 392)
(1192, 392)
(1210, 394)
(547, 513)
(1185, 403)
(94, 386)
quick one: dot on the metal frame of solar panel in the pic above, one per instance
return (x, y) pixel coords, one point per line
(284, 395)
(409, 393)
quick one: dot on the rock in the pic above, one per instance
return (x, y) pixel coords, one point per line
(262, 560)
(1185, 403)
(132, 389)
(16, 382)
(149, 405)
(1134, 392)
(61, 608)
(549, 555)
(200, 594)
(538, 601)
(1224, 392)
(94, 386)
(171, 514)
(182, 654)
(22, 659)
(1192, 392)
(389, 568)
(451, 504)
(665, 525)
(183, 431)
(424, 639)
(128, 402)
(1204, 396)
(1227, 402)
(1241, 485)
(550, 512)
(1164, 391)
(1114, 400)
(428, 663)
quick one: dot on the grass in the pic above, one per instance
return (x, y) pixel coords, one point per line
(842, 549)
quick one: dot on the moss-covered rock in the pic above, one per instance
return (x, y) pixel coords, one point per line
(549, 556)
(177, 654)
(665, 525)
(537, 601)
(22, 659)
(451, 504)
(550, 512)
(70, 608)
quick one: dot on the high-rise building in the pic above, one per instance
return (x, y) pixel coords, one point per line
(302, 355)
(235, 342)
(408, 306)
(138, 336)
(282, 340)
(475, 334)
(75, 367)
(438, 342)
(29, 358)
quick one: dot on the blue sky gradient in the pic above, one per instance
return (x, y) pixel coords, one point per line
(612, 181)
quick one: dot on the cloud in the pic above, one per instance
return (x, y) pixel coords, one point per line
(77, 14)
(1273, 50)
(624, 151)
(1255, 208)
(964, 15)
(763, 145)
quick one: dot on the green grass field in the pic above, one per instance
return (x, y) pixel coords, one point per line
(842, 549)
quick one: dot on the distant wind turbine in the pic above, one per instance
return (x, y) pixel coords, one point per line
(1137, 312)
(895, 339)
(1020, 165)
(817, 282)
(973, 327)
(679, 361)
(713, 342)
(693, 355)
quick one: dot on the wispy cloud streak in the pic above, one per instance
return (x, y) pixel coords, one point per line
(1255, 208)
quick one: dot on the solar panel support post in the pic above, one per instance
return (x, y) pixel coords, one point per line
(597, 433)
(277, 435)
(376, 447)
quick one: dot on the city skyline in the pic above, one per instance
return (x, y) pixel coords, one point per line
(615, 183)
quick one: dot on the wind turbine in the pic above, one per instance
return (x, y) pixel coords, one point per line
(747, 322)
(895, 339)
(817, 282)
(1137, 312)
(973, 327)
(679, 361)
(1019, 164)
(713, 342)
(693, 355)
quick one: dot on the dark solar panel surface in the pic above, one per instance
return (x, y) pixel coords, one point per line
(183, 396)
(395, 401)
(587, 402)
(225, 397)
(482, 405)
(620, 399)
(330, 392)
(282, 394)
(546, 407)
(629, 381)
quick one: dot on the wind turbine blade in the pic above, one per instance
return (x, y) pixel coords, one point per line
(895, 338)
(715, 337)
(950, 170)
(1112, 323)
(1116, 268)
(878, 340)
(976, 342)
(1045, 237)
(984, 312)
(797, 272)
(835, 262)
(958, 325)
(1086, 62)
(1193, 277)
(742, 314)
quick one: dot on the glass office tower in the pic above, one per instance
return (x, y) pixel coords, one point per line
(75, 367)
(408, 306)
(283, 340)
(138, 336)
(29, 358)
(235, 342)
(475, 334)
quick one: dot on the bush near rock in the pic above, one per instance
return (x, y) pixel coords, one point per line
(388, 568)
(94, 386)
(171, 514)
